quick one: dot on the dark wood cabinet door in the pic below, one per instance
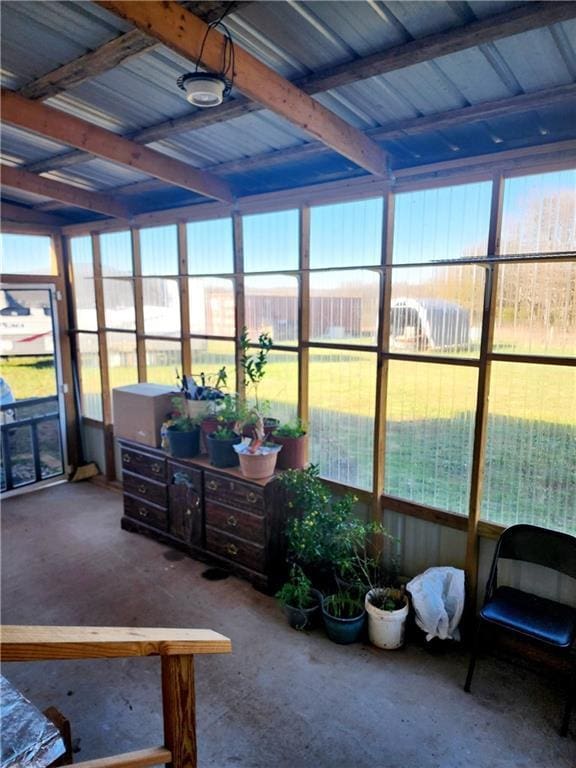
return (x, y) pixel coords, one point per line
(185, 506)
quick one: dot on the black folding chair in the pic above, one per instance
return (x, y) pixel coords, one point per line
(547, 623)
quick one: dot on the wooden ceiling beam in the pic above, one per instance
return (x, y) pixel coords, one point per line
(186, 34)
(16, 178)
(23, 214)
(59, 126)
(110, 55)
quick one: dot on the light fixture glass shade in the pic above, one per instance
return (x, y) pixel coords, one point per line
(206, 91)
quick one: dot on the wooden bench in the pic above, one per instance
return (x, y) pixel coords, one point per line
(176, 648)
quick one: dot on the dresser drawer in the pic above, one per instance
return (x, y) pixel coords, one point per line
(235, 550)
(235, 522)
(233, 493)
(144, 464)
(147, 490)
(146, 513)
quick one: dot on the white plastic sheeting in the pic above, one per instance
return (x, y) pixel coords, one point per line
(438, 599)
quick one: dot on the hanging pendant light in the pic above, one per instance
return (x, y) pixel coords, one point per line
(205, 89)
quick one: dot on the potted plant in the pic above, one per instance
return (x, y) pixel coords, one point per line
(344, 616)
(257, 458)
(387, 610)
(221, 447)
(182, 432)
(198, 397)
(298, 600)
(227, 412)
(253, 364)
(294, 441)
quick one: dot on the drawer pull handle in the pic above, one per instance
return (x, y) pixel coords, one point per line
(232, 549)
(143, 512)
(126, 458)
(156, 468)
(188, 511)
(251, 497)
(212, 484)
(232, 521)
(142, 490)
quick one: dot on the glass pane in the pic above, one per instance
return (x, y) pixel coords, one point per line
(344, 306)
(279, 387)
(530, 465)
(122, 363)
(26, 255)
(536, 309)
(272, 305)
(212, 306)
(271, 241)
(210, 247)
(437, 310)
(26, 324)
(163, 359)
(161, 298)
(116, 254)
(346, 234)
(342, 395)
(539, 214)
(83, 283)
(21, 456)
(90, 381)
(430, 433)
(159, 250)
(119, 304)
(443, 223)
(208, 356)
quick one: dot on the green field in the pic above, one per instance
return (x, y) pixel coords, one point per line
(531, 448)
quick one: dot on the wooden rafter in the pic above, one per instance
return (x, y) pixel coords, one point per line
(15, 178)
(185, 33)
(59, 126)
(109, 55)
(25, 215)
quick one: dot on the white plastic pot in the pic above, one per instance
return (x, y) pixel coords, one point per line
(385, 628)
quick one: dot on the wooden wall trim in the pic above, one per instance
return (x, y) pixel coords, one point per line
(186, 351)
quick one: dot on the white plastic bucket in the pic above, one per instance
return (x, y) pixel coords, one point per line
(385, 628)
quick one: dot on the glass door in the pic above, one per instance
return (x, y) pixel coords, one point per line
(31, 405)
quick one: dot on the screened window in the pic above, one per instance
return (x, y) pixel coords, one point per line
(346, 234)
(271, 241)
(442, 223)
(211, 306)
(161, 300)
(210, 247)
(159, 250)
(84, 293)
(530, 467)
(26, 255)
(116, 254)
(122, 362)
(209, 356)
(163, 359)
(90, 380)
(278, 392)
(271, 304)
(344, 306)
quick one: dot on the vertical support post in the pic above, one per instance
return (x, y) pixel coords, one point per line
(179, 709)
(103, 356)
(240, 315)
(138, 304)
(304, 318)
(378, 467)
(186, 352)
(481, 422)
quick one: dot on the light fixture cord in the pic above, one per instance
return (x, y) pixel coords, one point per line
(228, 54)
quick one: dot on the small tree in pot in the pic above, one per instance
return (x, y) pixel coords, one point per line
(299, 601)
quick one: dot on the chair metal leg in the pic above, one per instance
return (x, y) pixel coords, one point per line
(473, 656)
(570, 696)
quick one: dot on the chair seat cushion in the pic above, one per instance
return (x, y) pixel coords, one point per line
(536, 617)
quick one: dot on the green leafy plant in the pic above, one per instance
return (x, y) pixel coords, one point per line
(388, 599)
(344, 605)
(224, 433)
(254, 362)
(290, 429)
(180, 420)
(296, 592)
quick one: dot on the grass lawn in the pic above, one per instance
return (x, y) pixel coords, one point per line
(531, 449)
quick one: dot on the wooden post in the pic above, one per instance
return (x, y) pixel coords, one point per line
(138, 304)
(179, 708)
(183, 281)
(304, 318)
(240, 314)
(481, 423)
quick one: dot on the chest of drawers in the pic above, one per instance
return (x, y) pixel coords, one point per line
(214, 514)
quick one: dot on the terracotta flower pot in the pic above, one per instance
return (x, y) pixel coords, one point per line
(294, 453)
(257, 466)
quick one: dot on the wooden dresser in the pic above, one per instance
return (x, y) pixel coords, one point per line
(215, 515)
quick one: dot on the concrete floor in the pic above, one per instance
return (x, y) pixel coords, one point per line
(283, 699)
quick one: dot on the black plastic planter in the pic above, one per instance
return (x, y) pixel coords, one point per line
(221, 452)
(183, 445)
